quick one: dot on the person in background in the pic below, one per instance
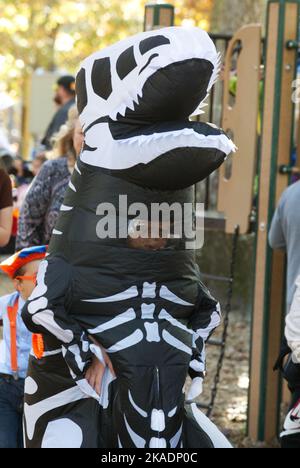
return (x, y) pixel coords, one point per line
(7, 161)
(65, 98)
(15, 348)
(20, 178)
(290, 437)
(37, 163)
(42, 204)
(6, 164)
(6, 207)
(285, 234)
(23, 175)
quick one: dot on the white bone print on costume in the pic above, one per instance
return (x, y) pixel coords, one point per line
(46, 319)
(214, 323)
(149, 291)
(136, 407)
(31, 386)
(66, 208)
(55, 232)
(42, 407)
(166, 294)
(158, 443)
(130, 293)
(151, 325)
(175, 440)
(172, 412)
(158, 421)
(218, 439)
(41, 287)
(77, 169)
(147, 314)
(165, 316)
(72, 187)
(128, 342)
(172, 341)
(37, 304)
(62, 433)
(148, 311)
(38, 308)
(127, 316)
(152, 332)
(138, 441)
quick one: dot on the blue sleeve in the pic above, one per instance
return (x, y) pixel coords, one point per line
(3, 306)
(276, 235)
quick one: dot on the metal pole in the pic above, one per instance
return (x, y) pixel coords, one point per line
(158, 15)
(25, 143)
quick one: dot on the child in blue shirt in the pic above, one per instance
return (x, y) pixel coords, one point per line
(16, 344)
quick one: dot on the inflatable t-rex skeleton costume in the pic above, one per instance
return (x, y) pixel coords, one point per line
(145, 305)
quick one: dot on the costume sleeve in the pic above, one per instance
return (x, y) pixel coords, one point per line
(34, 210)
(276, 234)
(47, 312)
(205, 319)
(2, 307)
(292, 329)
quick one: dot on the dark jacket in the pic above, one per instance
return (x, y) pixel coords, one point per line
(59, 118)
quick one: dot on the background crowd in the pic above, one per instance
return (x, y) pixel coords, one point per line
(31, 193)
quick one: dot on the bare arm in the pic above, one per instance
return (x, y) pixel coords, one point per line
(6, 220)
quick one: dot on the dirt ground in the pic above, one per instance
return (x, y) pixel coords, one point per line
(230, 412)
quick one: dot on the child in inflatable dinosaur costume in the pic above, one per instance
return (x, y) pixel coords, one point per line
(143, 302)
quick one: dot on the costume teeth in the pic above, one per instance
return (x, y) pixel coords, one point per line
(131, 106)
(217, 63)
(217, 70)
(136, 101)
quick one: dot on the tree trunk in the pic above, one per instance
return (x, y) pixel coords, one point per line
(229, 15)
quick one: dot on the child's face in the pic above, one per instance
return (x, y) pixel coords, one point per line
(152, 242)
(25, 286)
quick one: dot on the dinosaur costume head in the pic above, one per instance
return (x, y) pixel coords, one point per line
(135, 99)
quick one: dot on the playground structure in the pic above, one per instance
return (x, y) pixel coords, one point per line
(262, 123)
(276, 149)
(268, 155)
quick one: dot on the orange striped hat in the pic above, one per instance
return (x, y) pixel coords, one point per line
(12, 265)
